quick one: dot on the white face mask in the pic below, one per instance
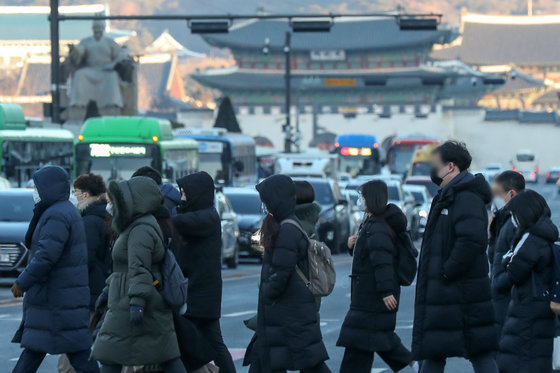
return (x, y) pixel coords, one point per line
(73, 199)
(109, 209)
(36, 196)
(361, 204)
(498, 203)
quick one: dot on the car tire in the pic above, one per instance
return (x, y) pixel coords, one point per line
(232, 262)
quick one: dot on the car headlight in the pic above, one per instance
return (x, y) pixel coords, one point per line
(423, 214)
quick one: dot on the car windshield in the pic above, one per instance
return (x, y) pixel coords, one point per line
(525, 157)
(418, 197)
(393, 193)
(245, 204)
(323, 193)
(16, 208)
(432, 188)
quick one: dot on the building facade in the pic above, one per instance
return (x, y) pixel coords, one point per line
(364, 64)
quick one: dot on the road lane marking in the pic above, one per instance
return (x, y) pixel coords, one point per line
(242, 313)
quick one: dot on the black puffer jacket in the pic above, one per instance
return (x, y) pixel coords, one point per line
(528, 333)
(199, 250)
(288, 334)
(369, 325)
(453, 314)
(504, 232)
(98, 242)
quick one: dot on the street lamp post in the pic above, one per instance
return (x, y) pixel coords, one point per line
(287, 126)
(55, 63)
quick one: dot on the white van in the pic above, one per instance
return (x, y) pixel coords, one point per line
(526, 164)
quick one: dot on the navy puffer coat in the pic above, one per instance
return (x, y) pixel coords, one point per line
(55, 281)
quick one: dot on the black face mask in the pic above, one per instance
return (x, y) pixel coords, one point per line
(182, 207)
(434, 176)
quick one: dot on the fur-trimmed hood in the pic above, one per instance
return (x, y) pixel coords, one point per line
(85, 203)
(132, 199)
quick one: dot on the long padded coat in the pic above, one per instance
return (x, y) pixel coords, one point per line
(199, 248)
(55, 281)
(137, 255)
(453, 312)
(288, 334)
(528, 333)
(369, 325)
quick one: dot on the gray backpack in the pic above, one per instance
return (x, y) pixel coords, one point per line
(322, 275)
(173, 286)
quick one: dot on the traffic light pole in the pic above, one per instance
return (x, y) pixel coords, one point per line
(55, 62)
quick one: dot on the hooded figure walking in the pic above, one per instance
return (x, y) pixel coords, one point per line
(288, 335)
(199, 254)
(55, 281)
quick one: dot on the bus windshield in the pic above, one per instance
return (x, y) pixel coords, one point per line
(116, 161)
(358, 165)
(401, 156)
(212, 163)
(21, 158)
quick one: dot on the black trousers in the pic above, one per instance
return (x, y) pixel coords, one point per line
(321, 368)
(360, 361)
(29, 361)
(211, 330)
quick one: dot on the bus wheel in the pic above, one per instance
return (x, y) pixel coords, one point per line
(232, 262)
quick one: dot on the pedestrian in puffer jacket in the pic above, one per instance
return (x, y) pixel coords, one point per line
(90, 192)
(288, 335)
(199, 254)
(138, 328)
(502, 233)
(528, 333)
(369, 326)
(55, 280)
(453, 311)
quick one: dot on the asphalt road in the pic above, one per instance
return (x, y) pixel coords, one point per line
(239, 303)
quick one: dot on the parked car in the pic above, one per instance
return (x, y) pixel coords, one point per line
(423, 202)
(424, 181)
(553, 175)
(248, 207)
(230, 230)
(333, 225)
(15, 215)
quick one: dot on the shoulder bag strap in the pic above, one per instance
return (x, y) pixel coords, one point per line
(298, 270)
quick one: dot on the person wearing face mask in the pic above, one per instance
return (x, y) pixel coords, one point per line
(453, 311)
(375, 287)
(526, 343)
(90, 193)
(138, 327)
(501, 234)
(89, 198)
(55, 280)
(199, 254)
(288, 335)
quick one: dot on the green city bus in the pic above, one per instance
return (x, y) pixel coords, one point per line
(115, 147)
(23, 149)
